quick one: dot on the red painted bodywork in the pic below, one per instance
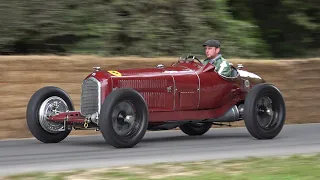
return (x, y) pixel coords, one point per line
(183, 91)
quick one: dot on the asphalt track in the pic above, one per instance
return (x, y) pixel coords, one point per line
(17, 156)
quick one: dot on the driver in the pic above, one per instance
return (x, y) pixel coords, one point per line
(222, 67)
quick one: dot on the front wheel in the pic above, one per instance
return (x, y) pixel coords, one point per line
(124, 118)
(45, 102)
(264, 111)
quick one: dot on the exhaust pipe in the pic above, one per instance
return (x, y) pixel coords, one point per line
(230, 116)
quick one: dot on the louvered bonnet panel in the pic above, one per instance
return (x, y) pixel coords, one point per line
(143, 84)
(153, 99)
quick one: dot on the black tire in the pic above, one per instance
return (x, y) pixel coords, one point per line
(135, 106)
(195, 129)
(36, 128)
(259, 120)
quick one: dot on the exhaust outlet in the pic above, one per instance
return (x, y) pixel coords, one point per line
(230, 116)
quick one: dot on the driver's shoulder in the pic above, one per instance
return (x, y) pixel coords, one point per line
(223, 60)
(219, 60)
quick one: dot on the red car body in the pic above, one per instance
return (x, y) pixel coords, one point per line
(123, 104)
(183, 91)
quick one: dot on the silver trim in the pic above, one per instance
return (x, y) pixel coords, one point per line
(99, 93)
(231, 115)
(240, 66)
(97, 68)
(198, 89)
(160, 66)
(174, 91)
(241, 110)
(50, 107)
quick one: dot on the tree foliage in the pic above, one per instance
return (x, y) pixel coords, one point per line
(289, 27)
(248, 28)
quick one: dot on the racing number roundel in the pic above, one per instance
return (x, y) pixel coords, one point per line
(115, 73)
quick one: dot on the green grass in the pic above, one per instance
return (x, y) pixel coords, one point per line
(300, 167)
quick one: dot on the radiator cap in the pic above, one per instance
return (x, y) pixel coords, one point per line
(97, 68)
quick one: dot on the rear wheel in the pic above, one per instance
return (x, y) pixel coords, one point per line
(124, 118)
(195, 129)
(264, 111)
(45, 102)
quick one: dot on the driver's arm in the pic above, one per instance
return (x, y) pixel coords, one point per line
(222, 67)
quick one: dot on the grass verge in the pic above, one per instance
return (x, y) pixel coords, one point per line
(302, 167)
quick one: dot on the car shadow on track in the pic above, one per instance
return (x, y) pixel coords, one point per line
(183, 137)
(159, 138)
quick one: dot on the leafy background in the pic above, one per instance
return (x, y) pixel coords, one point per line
(246, 28)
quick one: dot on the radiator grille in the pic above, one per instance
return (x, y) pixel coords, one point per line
(90, 96)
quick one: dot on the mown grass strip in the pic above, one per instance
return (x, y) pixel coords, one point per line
(302, 167)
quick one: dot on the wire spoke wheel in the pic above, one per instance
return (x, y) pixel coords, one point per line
(50, 107)
(48, 101)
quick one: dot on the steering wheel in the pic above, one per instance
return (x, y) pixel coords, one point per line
(192, 58)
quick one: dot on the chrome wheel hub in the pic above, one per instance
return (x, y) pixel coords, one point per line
(50, 107)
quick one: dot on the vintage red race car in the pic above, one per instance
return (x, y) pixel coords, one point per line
(124, 104)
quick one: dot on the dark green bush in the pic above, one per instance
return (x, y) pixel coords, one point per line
(159, 28)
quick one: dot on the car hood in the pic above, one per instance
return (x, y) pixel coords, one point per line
(146, 71)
